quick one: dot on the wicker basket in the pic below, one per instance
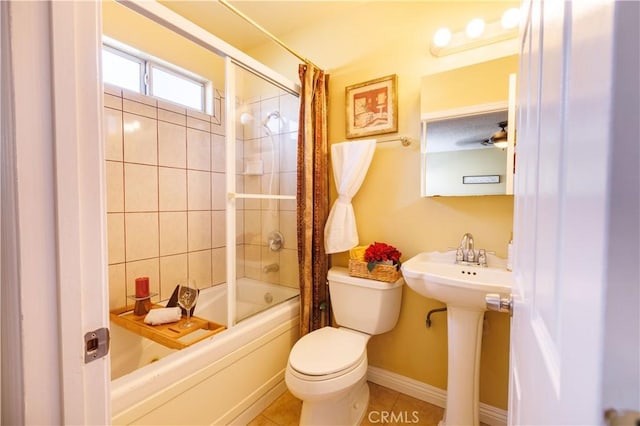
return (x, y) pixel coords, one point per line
(387, 273)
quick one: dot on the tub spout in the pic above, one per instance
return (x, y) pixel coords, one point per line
(272, 267)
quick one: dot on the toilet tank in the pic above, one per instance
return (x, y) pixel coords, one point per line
(364, 305)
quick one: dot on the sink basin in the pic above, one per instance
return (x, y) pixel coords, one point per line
(463, 288)
(436, 275)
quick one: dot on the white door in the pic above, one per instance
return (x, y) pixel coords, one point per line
(76, 45)
(567, 102)
(52, 101)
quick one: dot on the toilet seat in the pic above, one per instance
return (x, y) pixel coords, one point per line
(327, 352)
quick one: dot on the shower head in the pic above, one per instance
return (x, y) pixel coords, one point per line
(272, 114)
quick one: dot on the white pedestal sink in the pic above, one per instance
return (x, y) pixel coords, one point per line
(463, 288)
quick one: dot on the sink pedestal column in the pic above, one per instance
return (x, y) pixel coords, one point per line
(463, 371)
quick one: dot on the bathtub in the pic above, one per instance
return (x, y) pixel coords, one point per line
(213, 381)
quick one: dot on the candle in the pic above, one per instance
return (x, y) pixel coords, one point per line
(142, 287)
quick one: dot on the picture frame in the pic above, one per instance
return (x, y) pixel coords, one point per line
(372, 107)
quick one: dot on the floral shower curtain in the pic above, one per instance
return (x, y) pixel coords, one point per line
(312, 199)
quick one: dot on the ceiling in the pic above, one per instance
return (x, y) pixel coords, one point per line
(285, 17)
(376, 23)
(277, 17)
(462, 133)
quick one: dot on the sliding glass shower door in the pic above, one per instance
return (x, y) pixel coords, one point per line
(261, 144)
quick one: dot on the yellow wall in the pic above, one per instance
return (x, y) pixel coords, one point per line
(378, 39)
(481, 83)
(393, 38)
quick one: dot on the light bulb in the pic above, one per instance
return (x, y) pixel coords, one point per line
(501, 144)
(475, 28)
(442, 37)
(510, 18)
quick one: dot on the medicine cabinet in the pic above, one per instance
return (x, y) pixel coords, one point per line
(468, 130)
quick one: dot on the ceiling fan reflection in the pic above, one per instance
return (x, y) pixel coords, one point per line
(498, 139)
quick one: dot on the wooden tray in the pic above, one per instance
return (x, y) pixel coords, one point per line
(170, 335)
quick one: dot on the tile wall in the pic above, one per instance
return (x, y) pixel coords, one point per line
(166, 202)
(275, 149)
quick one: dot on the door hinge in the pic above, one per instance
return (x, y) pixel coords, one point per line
(96, 344)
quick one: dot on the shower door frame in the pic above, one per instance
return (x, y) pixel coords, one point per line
(233, 58)
(231, 65)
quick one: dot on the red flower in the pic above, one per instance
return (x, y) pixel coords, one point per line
(379, 252)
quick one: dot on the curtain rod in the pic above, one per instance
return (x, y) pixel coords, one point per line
(233, 9)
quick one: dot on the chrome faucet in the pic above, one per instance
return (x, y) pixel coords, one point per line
(465, 253)
(467, 245)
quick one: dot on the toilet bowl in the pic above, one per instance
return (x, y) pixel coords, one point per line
(327, 368)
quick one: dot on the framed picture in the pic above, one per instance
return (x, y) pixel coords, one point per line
(372, 107)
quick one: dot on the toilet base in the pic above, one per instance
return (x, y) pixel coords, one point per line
(340, 410)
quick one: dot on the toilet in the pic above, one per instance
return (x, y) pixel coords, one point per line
(327, 368)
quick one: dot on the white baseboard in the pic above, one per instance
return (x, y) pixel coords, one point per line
(488, 414)
(407, 386)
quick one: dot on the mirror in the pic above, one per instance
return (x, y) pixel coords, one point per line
(465, 115)
(466, 155)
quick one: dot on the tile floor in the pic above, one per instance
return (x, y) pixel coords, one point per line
(285, 411)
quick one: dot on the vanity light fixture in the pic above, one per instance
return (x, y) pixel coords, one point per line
(475, 28)
(477, 33)
(510, 18)
(442, 37)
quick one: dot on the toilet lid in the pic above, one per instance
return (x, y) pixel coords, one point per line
(326, 351)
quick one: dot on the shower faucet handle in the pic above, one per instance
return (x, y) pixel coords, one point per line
(275, 241)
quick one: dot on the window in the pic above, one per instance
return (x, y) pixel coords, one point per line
(122, 69)
(175, 87)
(143, 74)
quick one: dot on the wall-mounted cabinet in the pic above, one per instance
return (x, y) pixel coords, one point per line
(468, 130)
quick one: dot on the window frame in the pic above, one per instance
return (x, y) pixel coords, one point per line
(147, 62)
(133, 58)
(199, 82)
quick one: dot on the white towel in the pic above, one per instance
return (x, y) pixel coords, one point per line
(163, 315)
(350, 164)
